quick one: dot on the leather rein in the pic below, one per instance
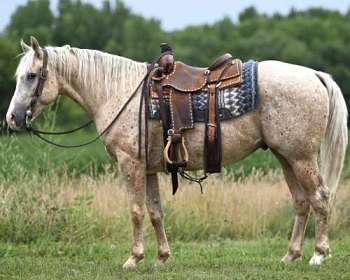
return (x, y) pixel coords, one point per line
(43, 74)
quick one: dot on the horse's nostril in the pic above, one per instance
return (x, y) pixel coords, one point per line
(13, 117)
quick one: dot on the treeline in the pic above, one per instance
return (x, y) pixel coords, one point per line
(317, 38)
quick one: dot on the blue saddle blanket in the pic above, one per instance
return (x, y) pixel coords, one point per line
(232, 102)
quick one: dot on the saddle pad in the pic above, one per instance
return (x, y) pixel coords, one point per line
(232, 101)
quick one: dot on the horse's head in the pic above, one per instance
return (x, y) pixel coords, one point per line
(36, 86)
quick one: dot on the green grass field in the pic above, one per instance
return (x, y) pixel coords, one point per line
(63, 215)
(226, 259)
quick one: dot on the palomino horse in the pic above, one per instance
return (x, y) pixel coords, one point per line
(301, 116)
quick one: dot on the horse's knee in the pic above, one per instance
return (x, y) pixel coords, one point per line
(302, 206)
(137, 214)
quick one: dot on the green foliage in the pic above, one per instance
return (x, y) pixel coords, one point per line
(35, 17)
(25, 156)
(80, 25)
(318, 38)
(8, 62)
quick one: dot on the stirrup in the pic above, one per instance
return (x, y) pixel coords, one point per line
(181, 151)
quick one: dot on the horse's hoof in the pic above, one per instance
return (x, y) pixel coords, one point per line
(162, 258)
(318, 259)
(132, 262)
(289, 258)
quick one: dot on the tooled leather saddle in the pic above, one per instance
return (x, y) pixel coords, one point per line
(173, 83)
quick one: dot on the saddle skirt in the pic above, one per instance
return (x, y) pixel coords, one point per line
(233, 101)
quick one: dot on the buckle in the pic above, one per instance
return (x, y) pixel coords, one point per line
(29, 116)
(171, 132)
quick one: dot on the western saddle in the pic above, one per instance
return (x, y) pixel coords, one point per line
(173, 83)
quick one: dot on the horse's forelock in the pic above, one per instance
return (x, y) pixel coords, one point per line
(25, 63)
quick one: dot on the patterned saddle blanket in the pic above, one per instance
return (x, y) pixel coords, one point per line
(232, 102)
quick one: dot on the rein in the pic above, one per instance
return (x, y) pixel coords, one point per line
(39, 132)
(154, 66)
(38, 92)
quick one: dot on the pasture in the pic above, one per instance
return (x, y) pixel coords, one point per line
(223, 259)
(63, 215)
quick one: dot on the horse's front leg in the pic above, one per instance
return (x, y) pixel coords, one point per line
(135, 173)
(156, 216)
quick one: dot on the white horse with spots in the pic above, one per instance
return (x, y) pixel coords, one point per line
(301, 116)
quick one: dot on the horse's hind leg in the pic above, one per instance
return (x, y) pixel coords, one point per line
(156, 216)
(302, 210)
(308, 174)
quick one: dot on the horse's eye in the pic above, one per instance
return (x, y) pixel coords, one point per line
(31, 76)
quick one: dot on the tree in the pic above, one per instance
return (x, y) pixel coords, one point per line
(248, 14)
(81, 25)
(33, 18)
(8, 62)
(142, 38)
(318, 38)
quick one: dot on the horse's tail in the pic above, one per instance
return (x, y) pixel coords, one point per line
(333, 148)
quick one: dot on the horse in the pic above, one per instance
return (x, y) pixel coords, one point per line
(301, 116)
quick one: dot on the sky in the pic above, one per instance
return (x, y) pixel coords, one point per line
(176, 14)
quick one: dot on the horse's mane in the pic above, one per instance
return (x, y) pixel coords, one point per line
(96, 70)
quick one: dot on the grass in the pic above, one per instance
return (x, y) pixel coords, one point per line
(64, 215)
(59, 208)
(58, 227)
(26, 155)
(224, 259)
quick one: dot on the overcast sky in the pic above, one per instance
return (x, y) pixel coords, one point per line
(175, 14)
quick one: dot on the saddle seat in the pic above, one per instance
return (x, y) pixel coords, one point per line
(189, 79)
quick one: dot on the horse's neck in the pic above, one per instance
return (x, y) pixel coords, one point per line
(103, 86)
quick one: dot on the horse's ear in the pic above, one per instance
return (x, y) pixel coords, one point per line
(25, 47)
(36, 47)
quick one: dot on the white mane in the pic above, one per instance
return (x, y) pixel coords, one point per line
(94, 69)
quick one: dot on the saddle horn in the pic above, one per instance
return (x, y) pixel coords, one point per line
(166, 61)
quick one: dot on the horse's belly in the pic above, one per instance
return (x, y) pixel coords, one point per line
(240, 137)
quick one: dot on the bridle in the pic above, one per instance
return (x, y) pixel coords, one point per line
(43, 74)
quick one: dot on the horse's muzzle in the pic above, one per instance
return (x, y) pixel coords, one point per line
(16, 119)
